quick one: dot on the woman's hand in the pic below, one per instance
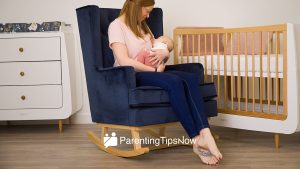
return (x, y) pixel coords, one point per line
(161, 68)
(159, 56)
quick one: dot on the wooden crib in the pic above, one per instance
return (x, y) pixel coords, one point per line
(255, 72)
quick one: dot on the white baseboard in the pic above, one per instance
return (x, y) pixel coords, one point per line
(33, 122)
(75, 119)
(3, 123)
(81, 118)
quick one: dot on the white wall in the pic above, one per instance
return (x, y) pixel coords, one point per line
(225, 13)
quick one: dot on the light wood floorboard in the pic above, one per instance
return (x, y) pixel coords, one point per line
(43, 147)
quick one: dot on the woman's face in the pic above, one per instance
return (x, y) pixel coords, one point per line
(145, 12)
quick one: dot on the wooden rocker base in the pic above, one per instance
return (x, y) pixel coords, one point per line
(114, 151)
(135, 131)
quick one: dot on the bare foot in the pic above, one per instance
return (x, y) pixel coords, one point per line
(206, 141)
(205, 156)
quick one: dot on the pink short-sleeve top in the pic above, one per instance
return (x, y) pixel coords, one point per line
(119, 32)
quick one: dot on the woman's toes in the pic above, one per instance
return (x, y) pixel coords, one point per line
(212, 161)
(209, 160)
(219, 156)
(216, 161)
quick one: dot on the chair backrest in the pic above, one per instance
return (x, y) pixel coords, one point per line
(93, 25)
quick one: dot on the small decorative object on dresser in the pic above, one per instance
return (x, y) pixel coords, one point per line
(34, 72)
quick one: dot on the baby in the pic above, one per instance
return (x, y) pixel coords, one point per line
(163, 42)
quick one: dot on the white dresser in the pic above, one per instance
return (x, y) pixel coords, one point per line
(34, 76)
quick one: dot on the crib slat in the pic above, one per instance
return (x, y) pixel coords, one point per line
(175, 37)
(276, 83)
(231, 67)
(246, 69)
(199, 54)
(181, 49)
(218, 65)
(205, 61)
(253, 73)
(261, 74)
(187, 48)
(193, 49)
(211, 58)
(225, 71)
(269, 71)
(239, 73)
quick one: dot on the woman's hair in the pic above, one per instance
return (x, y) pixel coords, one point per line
(132, 10)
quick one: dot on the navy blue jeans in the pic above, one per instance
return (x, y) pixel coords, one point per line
(185, 97)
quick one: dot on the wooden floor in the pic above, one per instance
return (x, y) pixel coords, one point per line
(42, 147)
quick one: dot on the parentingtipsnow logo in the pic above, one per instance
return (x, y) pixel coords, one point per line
(113, 140)
(110, 141)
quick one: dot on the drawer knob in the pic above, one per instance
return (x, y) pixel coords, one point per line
(23, 97)
(22, 74)
(21, 49)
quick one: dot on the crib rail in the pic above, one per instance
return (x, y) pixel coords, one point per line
(247, 65)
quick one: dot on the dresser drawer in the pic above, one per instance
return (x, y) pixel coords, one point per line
(29, 49)
(30, 73)
(31, 97)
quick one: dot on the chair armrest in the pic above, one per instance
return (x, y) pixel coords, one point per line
(108, 93)
(188, 67)
(122, 76)
(208, 91)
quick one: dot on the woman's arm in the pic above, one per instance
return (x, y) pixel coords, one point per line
(159, 56)
(162, 55)
(121, 54)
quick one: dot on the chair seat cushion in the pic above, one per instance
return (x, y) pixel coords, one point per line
(148, 116)
(208, 91)
(211, 108)
(145, 96)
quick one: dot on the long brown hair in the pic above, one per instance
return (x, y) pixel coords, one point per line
(132, 10)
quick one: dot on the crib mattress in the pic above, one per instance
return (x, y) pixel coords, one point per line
(219, 65)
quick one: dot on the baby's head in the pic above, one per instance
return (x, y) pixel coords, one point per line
(166, 40)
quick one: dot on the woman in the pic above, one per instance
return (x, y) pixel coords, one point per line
(128, 34)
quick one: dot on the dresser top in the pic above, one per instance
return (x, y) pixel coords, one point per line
(30, 27)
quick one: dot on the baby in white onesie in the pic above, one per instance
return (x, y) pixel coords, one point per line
(163, 42)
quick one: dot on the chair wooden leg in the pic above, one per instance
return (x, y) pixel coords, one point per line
(136, 136)
(104, 130)
(276, 140)
(162, 131)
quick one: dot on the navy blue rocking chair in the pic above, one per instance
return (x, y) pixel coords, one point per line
(115, 99)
